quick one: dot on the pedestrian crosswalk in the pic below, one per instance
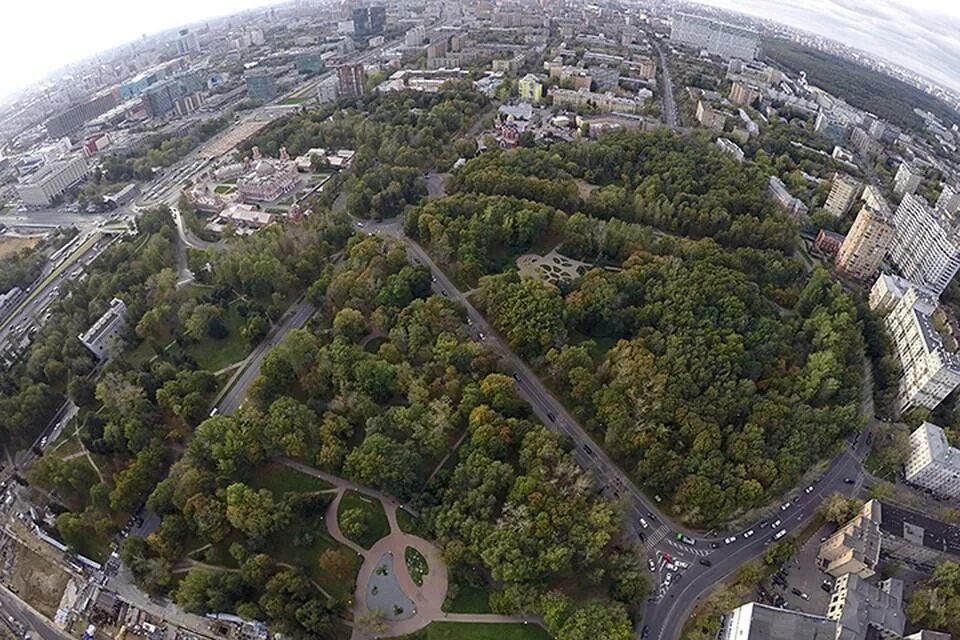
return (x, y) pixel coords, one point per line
(656, 536)
(689, 549)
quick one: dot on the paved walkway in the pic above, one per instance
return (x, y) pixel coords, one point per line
(428, 599)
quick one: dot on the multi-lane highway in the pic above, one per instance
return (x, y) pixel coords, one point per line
(667, 102)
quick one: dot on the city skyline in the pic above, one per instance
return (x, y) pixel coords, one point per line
(918, 35)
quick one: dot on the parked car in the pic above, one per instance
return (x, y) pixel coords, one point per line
(651, 564)
(780, 534)
(730, 540)
(748, 533)
(643, 523)
(706, 562)
(808, 490)
(784, 506)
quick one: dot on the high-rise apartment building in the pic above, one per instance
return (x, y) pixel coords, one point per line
(719, 38)
(926, 247)
(351, 78)
(925, 344)
(949, 200)
(933, 464)
(866, 243)
(907, 179)
(844, 191)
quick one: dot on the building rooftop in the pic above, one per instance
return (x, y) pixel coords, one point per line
(116, 312)
(919, 529)
(754, 621)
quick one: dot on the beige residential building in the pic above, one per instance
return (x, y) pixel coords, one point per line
(866, 243)
(742, 93)
(843, 193)
(709, 117)
(854, 549)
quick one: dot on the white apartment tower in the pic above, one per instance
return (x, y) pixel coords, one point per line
(719, 38)
(867, 241)
(926, 247)
(949, 200)
(933, 464)
(925, 344)
(843, 193)
(907, 179)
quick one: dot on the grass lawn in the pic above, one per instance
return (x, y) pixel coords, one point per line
(212, 354)
(292, 549)
(281, 479)
(224, 188)
(470, 599)
(377, 525)
(409, 522)
(481, 631)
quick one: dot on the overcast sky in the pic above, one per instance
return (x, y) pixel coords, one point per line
(41, 36)
(922, 35)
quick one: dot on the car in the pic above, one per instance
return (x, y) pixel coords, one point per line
(552, 417)
(214, 411)
(780, 534)
(680, 564)
(651, 565)
(667, 557)
(685, 539)
(849, 480)
(776, 523)
(705, 562)
(808, 490)
(588, 450)
(762, 523)
(652, 516)
(482, 336)
(714, 545)
(359, 224)
(645, 632)
(516, 376)
(784, 506)
(643, 523)
(826, 587)
(748, 533)
(43, 441)
(730, 540)
(667, 579)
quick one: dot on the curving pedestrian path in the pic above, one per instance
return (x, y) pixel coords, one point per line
(427, 599)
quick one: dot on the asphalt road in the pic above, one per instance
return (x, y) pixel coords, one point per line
(295, 317)
(668, 104)
(29, 618)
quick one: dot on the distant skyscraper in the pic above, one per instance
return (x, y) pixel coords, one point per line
(949, 200)
(186, 42)
(369, 21)
(719, 38)
(926, 246)
(351, 78)
(261, 86)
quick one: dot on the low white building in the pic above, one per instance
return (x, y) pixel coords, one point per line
(926, 346)
(730, 147)
(40, 188)
(103, 336)
(933, 464)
